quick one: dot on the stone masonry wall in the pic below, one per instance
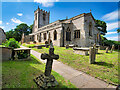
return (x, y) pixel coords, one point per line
(2, 36)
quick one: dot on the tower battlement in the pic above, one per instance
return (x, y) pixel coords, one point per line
(41, 18)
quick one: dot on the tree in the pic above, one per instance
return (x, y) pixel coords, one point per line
(19, 30)
(101, 25)
(30, 28)
(118, 30)
(9, 34)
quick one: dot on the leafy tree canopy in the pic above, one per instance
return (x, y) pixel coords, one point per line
(101, 25)
(31, 27)
(118, 30)
(18, 31)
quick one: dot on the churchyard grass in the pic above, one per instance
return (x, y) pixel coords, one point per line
(20, 74)
(105, 68)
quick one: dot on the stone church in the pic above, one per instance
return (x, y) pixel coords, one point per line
(79, 30)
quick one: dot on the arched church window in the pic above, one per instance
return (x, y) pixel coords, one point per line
(90, 29)
(68, 34)
(44, 16)
(44, 36)
(40, 38)
(55, 35)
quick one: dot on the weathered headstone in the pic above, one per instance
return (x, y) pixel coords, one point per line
(96, 49)
(67, 46)
(47, 80)
(112, 48)
(107, 48)
(22, 39)
(92, 55)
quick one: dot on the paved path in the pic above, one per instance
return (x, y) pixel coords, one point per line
(78, 78)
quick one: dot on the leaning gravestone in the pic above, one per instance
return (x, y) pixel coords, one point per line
(47, 80)
(112, 48)
(107, 48)
(92, 55)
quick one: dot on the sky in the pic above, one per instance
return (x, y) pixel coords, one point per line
(14, 13)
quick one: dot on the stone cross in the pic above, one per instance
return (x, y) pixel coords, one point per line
(49, 58)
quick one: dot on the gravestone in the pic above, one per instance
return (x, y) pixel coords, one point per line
(96, 49)
(22, 39)
(67, 46)
(107, 48)
(47, 80)
(92, 55)
(112, 48)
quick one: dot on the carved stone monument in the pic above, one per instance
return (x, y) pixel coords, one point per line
(92, 55)
(113, 47)
(47, 80)
(22, 39)
(107, 48)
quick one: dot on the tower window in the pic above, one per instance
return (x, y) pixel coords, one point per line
(43, 16)
(77, 34)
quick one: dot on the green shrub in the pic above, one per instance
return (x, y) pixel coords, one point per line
(11, 43)
(31, 46)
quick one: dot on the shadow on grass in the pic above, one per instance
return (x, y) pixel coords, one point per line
(104, 64)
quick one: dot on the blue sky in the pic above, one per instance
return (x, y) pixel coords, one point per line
(14, 13)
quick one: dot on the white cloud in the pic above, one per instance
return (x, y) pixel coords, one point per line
(113, 38)
(0, 22)
(7, 23)
(46, 3)
(111, 26)
(111, 16)
(16, 21)
(2, 27)
(111, 33)
(19, 14)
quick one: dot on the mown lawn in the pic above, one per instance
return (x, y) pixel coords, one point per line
(106, 67)
(20, 74)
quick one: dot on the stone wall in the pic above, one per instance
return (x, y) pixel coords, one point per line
(6, 53)
(90, 40)
(2, 36)
(49, 29)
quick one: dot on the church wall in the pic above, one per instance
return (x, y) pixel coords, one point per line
(50, 30)
(77, 24)
(90, 40)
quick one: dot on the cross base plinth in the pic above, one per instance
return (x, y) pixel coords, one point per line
(45, 82)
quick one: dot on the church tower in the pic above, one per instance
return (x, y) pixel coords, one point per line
(41, 18)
